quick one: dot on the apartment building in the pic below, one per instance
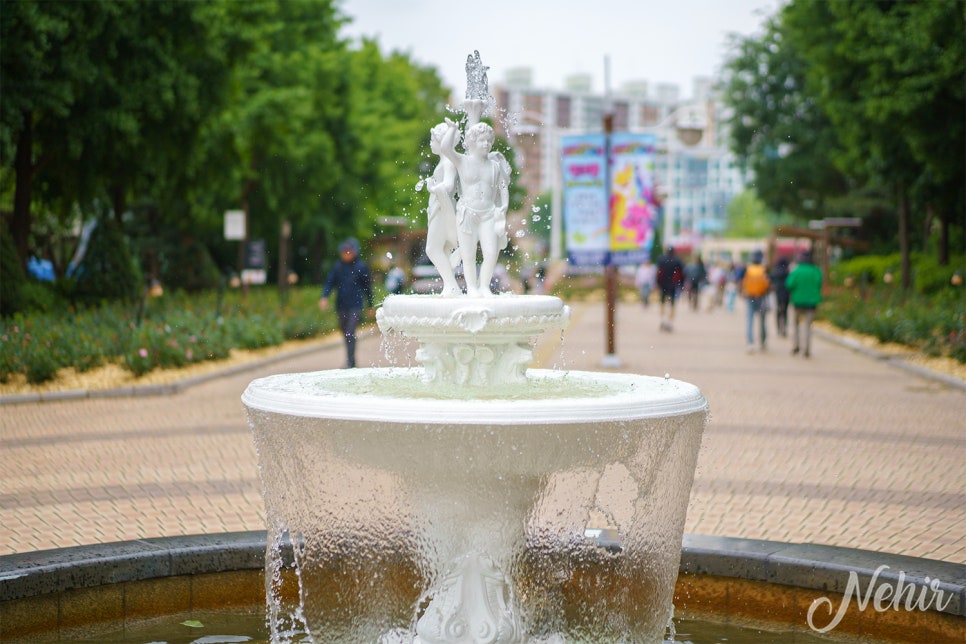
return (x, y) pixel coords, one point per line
(697, 175)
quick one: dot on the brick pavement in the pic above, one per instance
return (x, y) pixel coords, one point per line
(841, 449)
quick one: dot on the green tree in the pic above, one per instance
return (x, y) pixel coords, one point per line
(777, 128)
(11, 277)
(323, 136)
(173, 112)
(748, 217)
(44, 60)
(108, 270)
(889, 76)
(104, 99)
(541, 217)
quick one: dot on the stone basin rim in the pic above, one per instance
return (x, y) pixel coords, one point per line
(812, 566)
(616, 397)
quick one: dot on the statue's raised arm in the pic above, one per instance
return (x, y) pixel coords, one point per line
(449, 134)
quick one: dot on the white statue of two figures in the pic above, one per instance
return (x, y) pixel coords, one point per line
(468, 196)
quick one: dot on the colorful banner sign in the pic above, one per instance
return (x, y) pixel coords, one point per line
(623, 233)
(585, 200)
(633, 208)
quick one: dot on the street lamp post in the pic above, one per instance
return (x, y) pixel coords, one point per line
(690, 125)
(610, 359)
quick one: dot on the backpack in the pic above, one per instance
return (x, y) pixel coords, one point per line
(755, 282)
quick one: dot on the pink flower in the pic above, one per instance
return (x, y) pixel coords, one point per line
(188, 354)
(143, 352)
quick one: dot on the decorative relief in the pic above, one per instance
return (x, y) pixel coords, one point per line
(471, 606)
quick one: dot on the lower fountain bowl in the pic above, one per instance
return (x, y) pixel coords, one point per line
(475, 515)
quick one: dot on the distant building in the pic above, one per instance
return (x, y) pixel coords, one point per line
(696, 174)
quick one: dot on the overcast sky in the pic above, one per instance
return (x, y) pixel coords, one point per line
(660, 41)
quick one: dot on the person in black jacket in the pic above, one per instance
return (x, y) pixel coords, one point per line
(352, 282)
(670, 278)
(779, 273)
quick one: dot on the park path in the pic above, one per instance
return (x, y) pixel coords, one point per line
(841, 449)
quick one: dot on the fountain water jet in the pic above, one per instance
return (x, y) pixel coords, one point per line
(471, 499)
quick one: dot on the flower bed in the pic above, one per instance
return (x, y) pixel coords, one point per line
(935, 324)
(165, 332)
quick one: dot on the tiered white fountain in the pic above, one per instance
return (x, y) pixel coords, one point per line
(471, 499)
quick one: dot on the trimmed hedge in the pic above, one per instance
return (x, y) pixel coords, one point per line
(168, 331)
(871, 270)
(934, 324)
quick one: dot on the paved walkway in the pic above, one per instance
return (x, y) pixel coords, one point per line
(841, 449)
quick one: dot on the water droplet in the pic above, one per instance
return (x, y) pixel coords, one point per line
(536, 218)
(519, 234)
(667, 377)
(535, 209)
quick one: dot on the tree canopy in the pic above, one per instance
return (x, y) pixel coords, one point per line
(173, 112)
(845, 97)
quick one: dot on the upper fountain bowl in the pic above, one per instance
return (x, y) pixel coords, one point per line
(473, 341)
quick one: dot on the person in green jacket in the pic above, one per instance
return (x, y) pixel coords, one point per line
(804, 286)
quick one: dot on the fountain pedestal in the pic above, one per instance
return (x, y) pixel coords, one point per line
(472, 342)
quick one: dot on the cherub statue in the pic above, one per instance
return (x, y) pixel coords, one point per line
(441, 235)
(484, 180)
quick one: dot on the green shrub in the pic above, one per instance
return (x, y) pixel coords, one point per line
(188, 265)
(41, 364)
(12, 277)
(870, 270)
(866, 270)
(931, 278)
(12, 343)
(108, 270)
(932, 323)
(42, 296)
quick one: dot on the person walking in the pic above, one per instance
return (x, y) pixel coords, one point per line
(351, 280)
(804, 285)
(755, 286)
(645, 280)
(395, 280)
(697, 276)
(779, 273)
(670, 278)
(717, 278)
(732, 281)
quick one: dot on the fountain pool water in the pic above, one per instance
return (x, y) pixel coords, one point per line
(471, 499)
